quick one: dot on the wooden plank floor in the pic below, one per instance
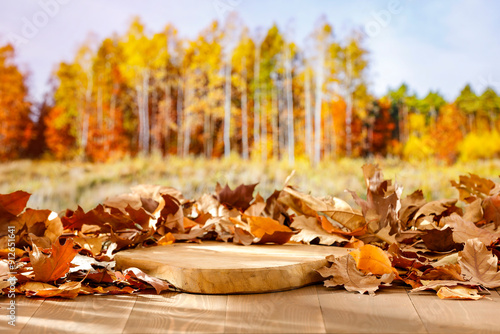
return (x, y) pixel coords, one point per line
(312, 309)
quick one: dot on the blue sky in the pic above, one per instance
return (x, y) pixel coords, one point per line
(439, 45)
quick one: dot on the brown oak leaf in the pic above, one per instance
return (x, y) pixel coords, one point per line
(464, 230)
(479, 265)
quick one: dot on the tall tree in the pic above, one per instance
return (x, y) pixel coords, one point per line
(489, 105)
(323, 36)
(354, 63)
(15, 122)
(468, 103)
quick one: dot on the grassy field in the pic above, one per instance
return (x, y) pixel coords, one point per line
(61, 185)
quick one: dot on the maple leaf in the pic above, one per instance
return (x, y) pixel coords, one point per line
(310, 229)
(464, 230)
(473, 186)
(238, 198)
(479, 265)
(99, 217)
(491, 208)
(158, 284)
(458, 292)
(269, 230)
(372, 259)
(51, 267)
(345, 272)
(335, 208)
(44, 290)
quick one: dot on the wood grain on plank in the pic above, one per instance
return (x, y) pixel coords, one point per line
(177, 312)
(295, 311)
(457, 316)
(85, 314)
(218, 268)
(24, 310)
(389, 311)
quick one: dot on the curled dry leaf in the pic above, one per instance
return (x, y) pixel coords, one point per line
(56, 264)
(437, 284)
(491, 208)
(372, 259)
(269, 230)
(440, 240)
(335, 208)
(433, 211)
(446, 272)
(310, 229)
(11, 205)
(167, 239)
(44, 290)
(346, 273)
(158, 284)
(459, 292)
(464, 230)
(410, 205)
(257, 207)
(474, 211)
(479, 265)
(42, 227)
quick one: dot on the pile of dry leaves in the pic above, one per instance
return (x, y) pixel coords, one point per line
(427, 245)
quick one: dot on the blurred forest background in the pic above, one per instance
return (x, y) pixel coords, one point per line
(155, 107)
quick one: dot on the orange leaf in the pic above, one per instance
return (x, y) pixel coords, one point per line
(269, 230)
(167, 239)
(372, 259)
(55, 265)
(259, 226)
(14, 203)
